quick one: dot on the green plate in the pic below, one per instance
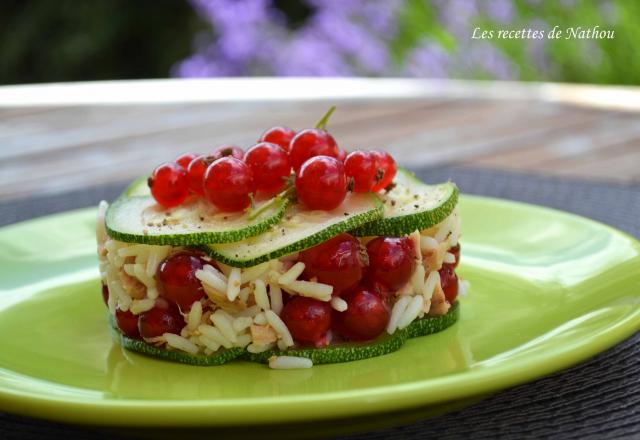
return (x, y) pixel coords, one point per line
(549, 289)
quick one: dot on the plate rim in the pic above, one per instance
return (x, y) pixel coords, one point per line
(330, 405)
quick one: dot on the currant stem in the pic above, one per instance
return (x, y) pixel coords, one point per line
(253, 213)
(322, 123)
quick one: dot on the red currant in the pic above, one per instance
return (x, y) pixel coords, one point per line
(307, 319)
(105, 294)
(366, 316)
(177, 281)
(361, 167)
(127, 323)
(449, 282)
(278, 135)
(185, 159)
(389, 169)
(337, 262)
(391, 261)
(195, 173)
(270, 166)
(163, 318)
(168, 184)
(321, 183)
(228, 183)
(310, 143)
(342, 155)
(228, 150)
(455, 250)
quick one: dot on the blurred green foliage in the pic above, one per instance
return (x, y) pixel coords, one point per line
(77, 40)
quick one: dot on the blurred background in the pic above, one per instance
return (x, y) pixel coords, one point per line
(70, 40)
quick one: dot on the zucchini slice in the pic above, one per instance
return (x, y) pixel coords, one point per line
(299, 230)
(411, 205)
(139, 219)
(343, 352)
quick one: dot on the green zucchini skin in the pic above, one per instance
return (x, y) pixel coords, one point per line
(195, 238)
(225, 254)
(399, 225)
(344, 352)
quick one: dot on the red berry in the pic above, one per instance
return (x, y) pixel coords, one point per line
(337, 262)
(168, 184)
(342, 155)
(449, 282)
(228, 182)
(310, 143)
(391, 261)
(307, 319)
(321, 183)
(388, 168)
(228, 150)
(185, 159)
(270, 166)
(195, 173)
(366, 316)
(361, 167)
(163, 318)
(278, 135)
(455, 250)
(127, 323)
(177, 281)
(105, 294)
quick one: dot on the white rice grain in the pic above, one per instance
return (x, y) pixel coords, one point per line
(181, 343)
(141, 275)
(430, 284)
(195, 316)
(396, 313)
(312, 289)
(279, 326)
(254, 348)
(289, 362)
(275, 297)
(338, 304)
(281, 344)
(141, 305)
(411, 312)
(417, 280)
(253, 273)
(152, 293)
(224, 322)
(233, 286)
(427, 243)
(244, 294)
(214, 334)
(242, 323)
(211, 280)
(260, 319)
(209, 343)
(243, 340)
(249, 312)
(449, 258)
(260, 295)
(292, 274)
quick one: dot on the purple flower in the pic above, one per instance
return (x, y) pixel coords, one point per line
(499, 10)
(428, 60)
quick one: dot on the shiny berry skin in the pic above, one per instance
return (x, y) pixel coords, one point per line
(455, 250)
(168, 184)
(337, 262)
(105, 294)
(391, 261)
(388, 167)
(321, 183)
(307, 319)
(449, 283)
(176, 279)
(310, 143)
(270, 166)
(195, 173)
(278, 135)
(361, 166)
(342, 155)
(128, 324)
(227, 184)
(366, 316)
(163, 318)
(185, 159)
(228, 150)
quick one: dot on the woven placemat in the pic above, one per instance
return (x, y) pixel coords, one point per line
(599, 398)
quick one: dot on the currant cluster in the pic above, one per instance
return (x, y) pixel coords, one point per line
(229, 178)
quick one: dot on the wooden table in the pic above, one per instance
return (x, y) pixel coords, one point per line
(57, 137)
